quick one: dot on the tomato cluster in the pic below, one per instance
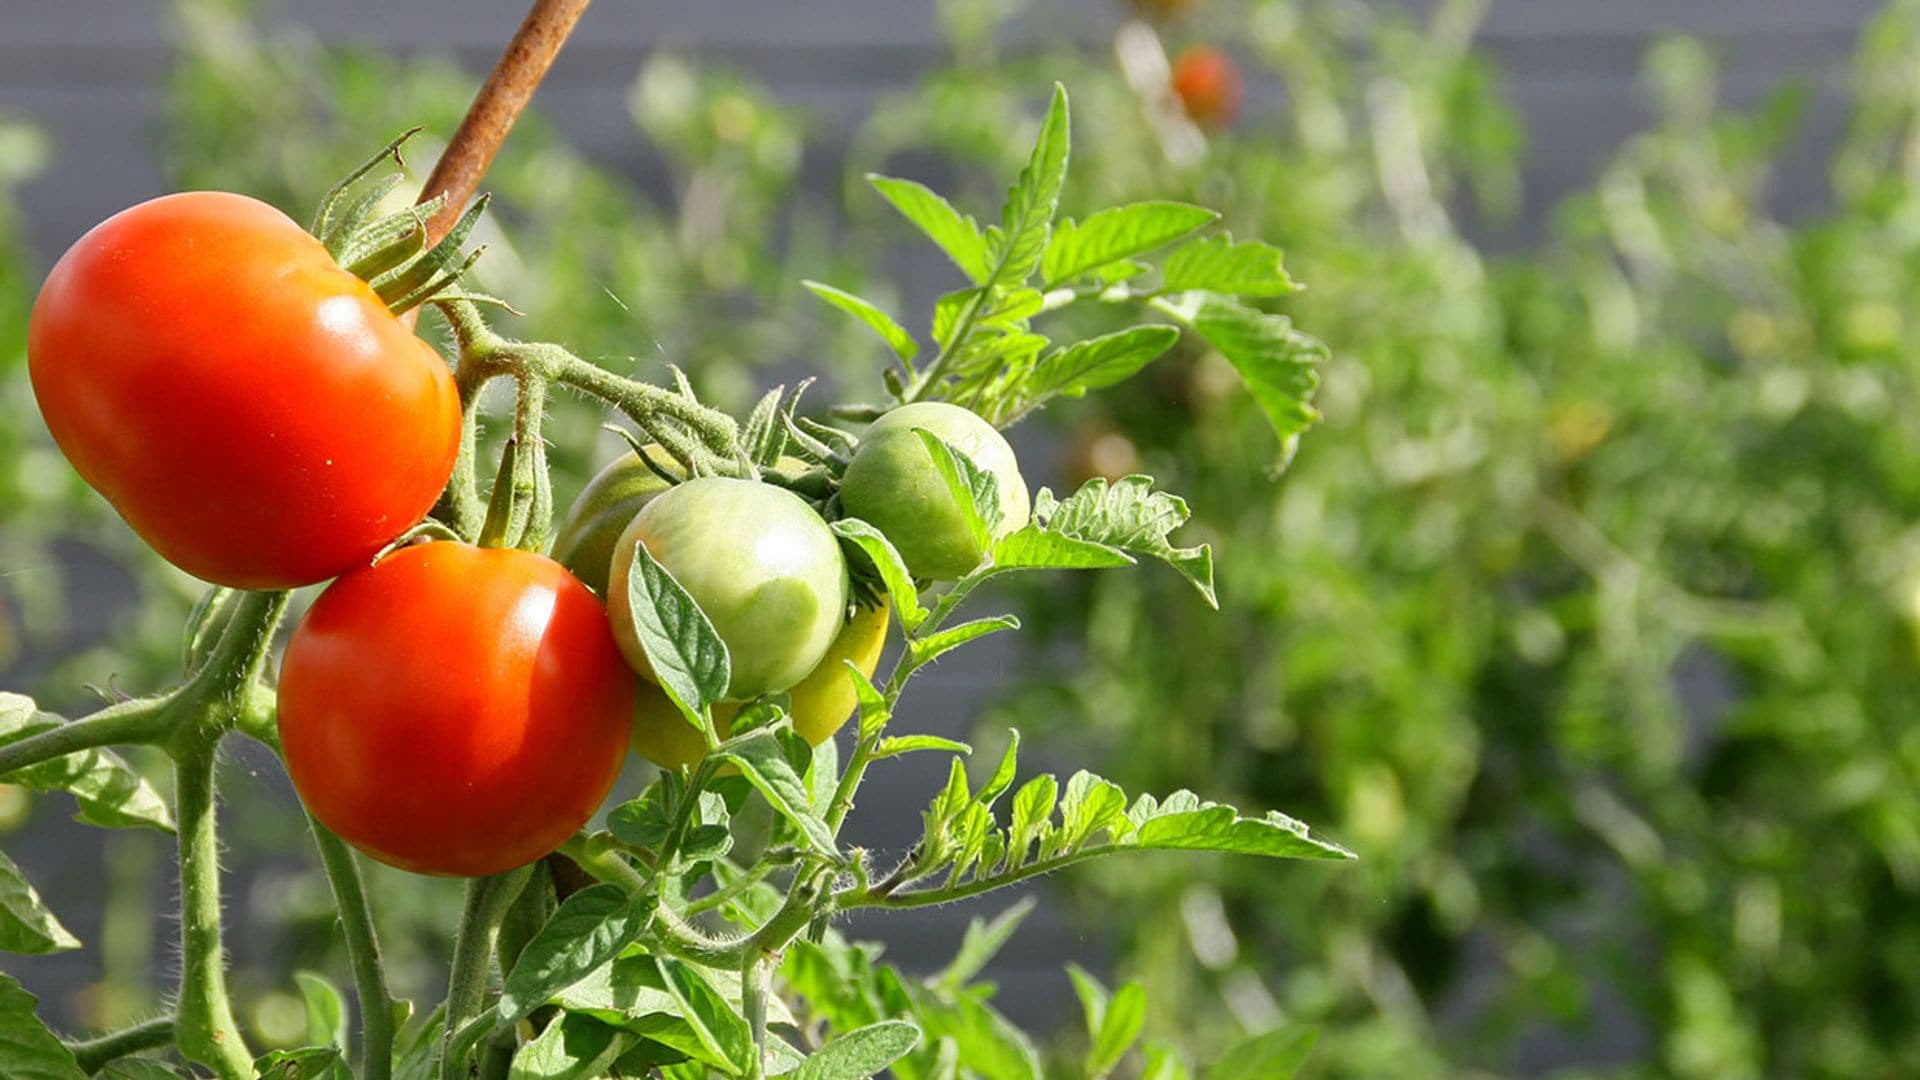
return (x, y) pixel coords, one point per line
(262, 419)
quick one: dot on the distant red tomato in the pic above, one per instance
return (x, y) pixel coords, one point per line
(1207, 82)
(252, 409)
(455, 710)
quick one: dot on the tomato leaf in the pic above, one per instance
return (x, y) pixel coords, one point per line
(874, 710)
(326, 1010)
(571, 1047)
(715, 1022)
(895, 335)
(1115, 234)
(1026, 218)
(108, 790)
(1219, 264)
(907, 744)
(927, 649)
(1113, 1023)
(861, 1053)
(688, 657)
(1276, 1055)
(764, 765)
(306, 1063)
(982, 942)
(1095, 363)
(588, 930)
(28, 1051)
(1126, 515)
(1032, 817)
(1278, 364)
(976, 491)
(26, 925)
(956, 234)
(1002, 777)
(880, 553)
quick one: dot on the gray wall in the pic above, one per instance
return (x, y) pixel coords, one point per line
(92, 73)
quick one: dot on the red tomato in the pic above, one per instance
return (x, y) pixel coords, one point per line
(455, 710)
(252, 409)
(1207, 82)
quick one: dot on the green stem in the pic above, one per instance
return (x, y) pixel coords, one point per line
(363, 954)
(754, 975)
(91, 1054)
(927, 376)
(929, 897)
(644, 402)
(204, 1025)
(487, 902)
(604, 865)
(143, 720)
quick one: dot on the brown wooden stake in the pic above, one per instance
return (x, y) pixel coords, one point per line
(494, 109)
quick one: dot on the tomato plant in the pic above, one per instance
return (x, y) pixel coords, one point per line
(453, 709)
(254, 410)
(460, 704)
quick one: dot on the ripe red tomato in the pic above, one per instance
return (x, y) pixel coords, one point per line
(1207, 82)
(252, 409)
(455, 710)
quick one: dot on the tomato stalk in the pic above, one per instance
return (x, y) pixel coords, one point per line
(487, 901)
(363, 953)
(141, 720)
(93, 1054)
(205, 1027)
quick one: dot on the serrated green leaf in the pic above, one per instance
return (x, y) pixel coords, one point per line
(589, 929)
(862, 1053)
(28, 1051)
(26, 924)
(956, 234)
(1276, 1055)
(891, 332)
(1128, 515)
(571, 1047)
(1278, 364)
(975, 491)
(1116, 234)
(689, 660)
(1219, 264)
(764, 765)
(1096, 363)
(1033, 547)
(1026, 217)
(107, 790)
(1032, 814)
(927, 649)
(886, 561)
(907, 744)
(645, 822)
(874, 711)
(1089, 805)
(1183, 822)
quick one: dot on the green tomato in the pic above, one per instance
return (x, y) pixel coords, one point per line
(596, 519)
(893, 484)
(757, 560)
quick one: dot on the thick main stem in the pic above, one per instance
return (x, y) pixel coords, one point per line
(204, 1026)
(495, 108)
(363, 954)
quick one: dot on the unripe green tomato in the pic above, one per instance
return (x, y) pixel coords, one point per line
(758, 561)
(820, 703)
(893, 484)
(600, 514)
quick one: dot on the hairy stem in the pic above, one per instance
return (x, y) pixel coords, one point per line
(143, 720)
(646, 403)
(487, 902)
(204, 1024)
(363, 954)
(91, 1054)
(754, 975)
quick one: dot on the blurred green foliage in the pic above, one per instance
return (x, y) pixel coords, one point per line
(1586, 616)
